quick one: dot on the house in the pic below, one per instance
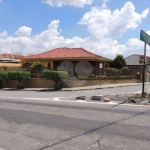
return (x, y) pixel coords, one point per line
(10, 60)
(136, 61)
(72, 57)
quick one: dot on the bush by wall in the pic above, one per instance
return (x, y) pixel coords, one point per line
(125, 70)
(111, 71)
(103, 77)
(37, 67)
(19, 76)
(110, 77)
(56, 76)
(3, 76)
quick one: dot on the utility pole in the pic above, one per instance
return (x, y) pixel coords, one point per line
(143, 75)
(146, 39)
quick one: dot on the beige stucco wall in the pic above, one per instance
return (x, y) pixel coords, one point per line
(51, 61)
(30, 83)
(33, 61)
(44, 83)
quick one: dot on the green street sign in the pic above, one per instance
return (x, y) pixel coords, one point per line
(145, 37)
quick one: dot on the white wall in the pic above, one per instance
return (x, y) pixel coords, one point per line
(133, 60)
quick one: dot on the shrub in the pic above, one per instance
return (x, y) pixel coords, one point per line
(111, 71)
(125, 70)
(19, 76)
(37, 67)
(103, 77)
(37, 75)
(133, 77)
(58, 86)
(20, 86)
(55, 75)
(113, 77)
(124, 77)
(127, 77)
(3, 76)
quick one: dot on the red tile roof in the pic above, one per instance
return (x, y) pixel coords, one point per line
(10, 56)
(64, 53)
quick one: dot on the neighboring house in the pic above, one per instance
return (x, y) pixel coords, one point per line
(10, 60)
(135, 62)
(70, 57)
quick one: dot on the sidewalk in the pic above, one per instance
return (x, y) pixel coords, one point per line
(103, 86)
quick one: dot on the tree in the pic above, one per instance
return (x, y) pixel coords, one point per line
(37, 67)
(118, 62)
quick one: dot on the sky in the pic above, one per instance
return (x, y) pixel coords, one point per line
(105, 27)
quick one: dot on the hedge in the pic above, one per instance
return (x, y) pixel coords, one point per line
(103, 77)
(19, 76)
(125, 70)
(3, 76)
(111, 71)
(55, 75)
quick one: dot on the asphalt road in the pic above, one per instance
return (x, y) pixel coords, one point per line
(35, 121)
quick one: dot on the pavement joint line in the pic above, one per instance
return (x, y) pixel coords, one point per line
(100, 103)
(58, 99)
(81, 101)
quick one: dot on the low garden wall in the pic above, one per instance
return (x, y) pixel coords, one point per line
(44, 83)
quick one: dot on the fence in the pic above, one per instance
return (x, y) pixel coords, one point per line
(133, 73)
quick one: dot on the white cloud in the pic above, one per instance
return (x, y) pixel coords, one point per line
(51, 38)
(101, 21)
(23, 31)
(3, 34)
(135, 46)
(60, 3)
(1, 0)
(99, 41)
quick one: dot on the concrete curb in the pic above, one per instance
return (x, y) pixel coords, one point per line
(102, 87)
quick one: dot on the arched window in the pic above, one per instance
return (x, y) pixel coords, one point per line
(27, 65)
(49, 66)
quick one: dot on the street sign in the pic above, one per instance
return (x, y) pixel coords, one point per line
(145, 37)
(101, 65)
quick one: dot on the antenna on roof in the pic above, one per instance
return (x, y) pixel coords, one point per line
(30, 54)
(17, 53)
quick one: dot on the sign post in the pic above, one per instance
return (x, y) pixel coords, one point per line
(146, 39)
(100, 66)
